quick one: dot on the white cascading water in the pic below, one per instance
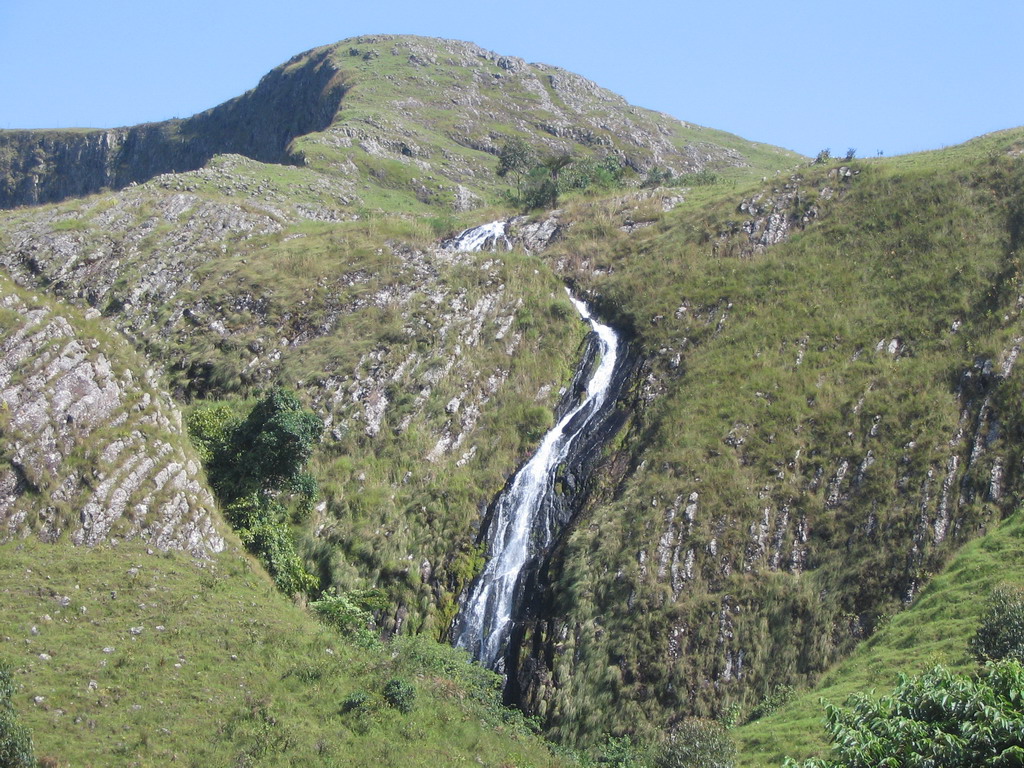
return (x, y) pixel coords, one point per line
(477, 238)
(521, 525)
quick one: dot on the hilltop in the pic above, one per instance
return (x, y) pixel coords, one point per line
(823, 403)
(399, 122)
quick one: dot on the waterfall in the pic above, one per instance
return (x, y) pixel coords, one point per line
(484, 237)
(523, 524)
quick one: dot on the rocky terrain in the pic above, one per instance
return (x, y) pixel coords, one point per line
(93, 449)
(46, 166)
(824, 406)
(416, 118)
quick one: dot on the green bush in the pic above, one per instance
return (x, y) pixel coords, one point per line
(657, 177)
(357, 701)
(697, 743)
(400, 695)
(250, 463)
(273, 544)
(210, 426)
(936, 719)
(622, 752)
(349, 612)
(15, 740)
(540, 191)
(1001, 633)
(772, 700)
(275, 441)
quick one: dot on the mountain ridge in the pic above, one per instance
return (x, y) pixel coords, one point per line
(825, 403)
(299, 114)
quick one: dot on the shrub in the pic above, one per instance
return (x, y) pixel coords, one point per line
(697, 743)
(273, 544)
(541, 191)
(250, 463)
(936, 719)
(772, 700)
(657, 177)
(210, 426)
(622, 752)
(15, 740)
(357, 701)
(349, 612)
(1001, 633)
(400, 695)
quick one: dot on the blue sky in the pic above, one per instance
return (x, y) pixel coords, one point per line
(897, 76)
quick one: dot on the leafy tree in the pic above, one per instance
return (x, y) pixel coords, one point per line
(15, 741)
(250, 462)
(275, 441)
(935, 719)
(1001, 633)
(556, 163)
(516, 159)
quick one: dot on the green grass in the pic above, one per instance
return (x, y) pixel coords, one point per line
(935, 630)
(158, 659)
(761, 379)
(770, 392)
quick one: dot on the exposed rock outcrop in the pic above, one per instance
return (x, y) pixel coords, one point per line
(419, 114)
(294, 99)
(91, 450)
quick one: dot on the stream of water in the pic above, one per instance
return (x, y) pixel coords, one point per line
(522, 525)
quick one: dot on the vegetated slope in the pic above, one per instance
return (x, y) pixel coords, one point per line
(936, 629)
(826, 410)
(114, 644)
(831, 407)
(92, 449)
(122, 658)
(404, 121)
(434, 371)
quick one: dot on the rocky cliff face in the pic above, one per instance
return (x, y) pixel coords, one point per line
(418, 115)
(432, 357)
(798, 466)
(93, 450)
(297, 98)
(824, 406)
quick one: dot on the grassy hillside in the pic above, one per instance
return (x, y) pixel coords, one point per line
(831, 409)
(935, 630)
(827, 404)
(401, 123)
(126, 658)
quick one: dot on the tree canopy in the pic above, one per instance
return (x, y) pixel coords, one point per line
(936, 719)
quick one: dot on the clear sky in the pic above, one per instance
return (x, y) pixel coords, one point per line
(893, 75)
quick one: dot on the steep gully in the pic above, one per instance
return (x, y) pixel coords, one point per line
(528, 518)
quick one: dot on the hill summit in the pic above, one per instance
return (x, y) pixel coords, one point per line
(420, 115)
(823, 400)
